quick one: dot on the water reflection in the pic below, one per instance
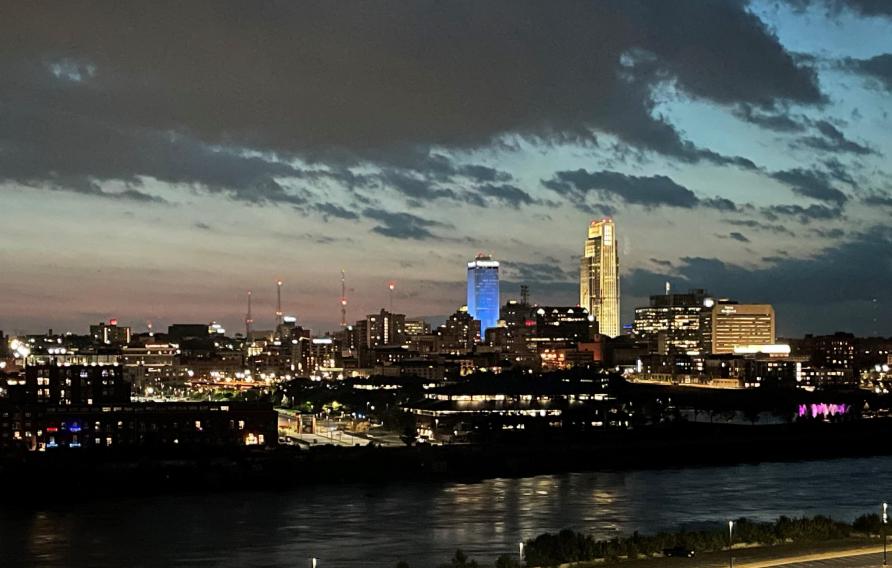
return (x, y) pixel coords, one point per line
(424, 523)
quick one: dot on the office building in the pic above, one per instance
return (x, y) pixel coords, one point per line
(385, 328)
(672, 323)
(599, 276)
(483, 291)
(110, 333)
(733, 326)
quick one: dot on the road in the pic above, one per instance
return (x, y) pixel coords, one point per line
(853, 559)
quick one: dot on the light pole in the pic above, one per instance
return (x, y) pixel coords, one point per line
(520, 545)
(885, 520)
(730, 544)
(312, 563)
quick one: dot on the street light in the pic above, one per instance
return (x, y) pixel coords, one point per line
(730, 544)
(520, 545)
(885, 520)
(312, 563)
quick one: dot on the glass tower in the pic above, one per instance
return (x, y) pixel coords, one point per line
(599, 276)
(483, 291)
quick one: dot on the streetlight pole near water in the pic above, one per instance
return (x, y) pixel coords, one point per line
(885, 520)
(730, 544)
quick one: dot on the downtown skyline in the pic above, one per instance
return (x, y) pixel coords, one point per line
(159, 177)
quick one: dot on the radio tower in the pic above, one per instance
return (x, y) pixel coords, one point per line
(279, 303)
(391, 286)
(343, 299)
(249, 321)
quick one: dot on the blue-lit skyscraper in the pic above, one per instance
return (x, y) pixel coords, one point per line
(483, 291)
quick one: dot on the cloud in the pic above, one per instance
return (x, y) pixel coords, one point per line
(776, 121)
(851, 275)
(507, 194)
(402, 225)
(648, 191)
(202, 226)
(753, 224)
(141, 91)
(877, 68)
(740, 237)
(879, 199)
(813, 184)
(332, 210)
(805, 215)
(861, 7)
(833, 140)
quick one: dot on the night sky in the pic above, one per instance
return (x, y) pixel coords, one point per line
(158, 159)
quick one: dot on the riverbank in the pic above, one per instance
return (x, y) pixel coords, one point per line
(678, 446)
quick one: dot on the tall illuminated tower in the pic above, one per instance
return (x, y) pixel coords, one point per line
(599, 276)
(483, 291)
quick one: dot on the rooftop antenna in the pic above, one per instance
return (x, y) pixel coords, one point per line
(391, 286)
(279, 302)
(343, 299)
(149, 326)
(249, 321)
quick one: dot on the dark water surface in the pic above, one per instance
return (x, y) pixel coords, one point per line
(423, 523)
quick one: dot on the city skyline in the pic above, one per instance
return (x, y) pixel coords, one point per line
(741, 146)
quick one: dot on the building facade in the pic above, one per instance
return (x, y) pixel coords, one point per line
(599, 276)
(483, 291)
(673, 323)
(734, 325)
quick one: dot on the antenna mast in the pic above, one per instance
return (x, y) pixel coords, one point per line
(279, 312)
(343, 299)
(249, 320)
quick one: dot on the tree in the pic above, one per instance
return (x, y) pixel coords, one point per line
(507, 561)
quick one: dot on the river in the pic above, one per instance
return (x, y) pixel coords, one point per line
(423, 523)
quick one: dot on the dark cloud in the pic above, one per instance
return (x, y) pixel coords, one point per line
(71, 153)
(537, 272)
(813, 184)
(833, 140)
(648, 191)
(202, 226)
(805, 215)
(849, 276)
(331, 210)
(224, 94)
(738, 237)
(877, 68)
(861, 7)
(402, 225)
(507, 194)
(880, 199)
(835, 233)
(777, 121)
(661, 262)
(753, 224)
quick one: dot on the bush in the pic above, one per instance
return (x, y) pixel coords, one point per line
(507, 561)
(569, 546)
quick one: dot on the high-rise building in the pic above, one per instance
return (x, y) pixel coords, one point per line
(599, 276)
(385, 328)
(731, 325)
(672, 323)
(110, 333)
(483, 291)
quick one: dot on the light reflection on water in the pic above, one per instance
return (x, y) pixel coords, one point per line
(423, 523)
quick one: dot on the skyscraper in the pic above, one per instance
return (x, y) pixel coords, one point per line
(483, 291)
(599, 276)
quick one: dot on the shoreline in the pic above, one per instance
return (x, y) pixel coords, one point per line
(679, 446)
